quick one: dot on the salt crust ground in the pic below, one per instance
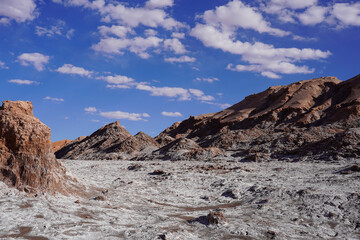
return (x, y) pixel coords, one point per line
(269, 200)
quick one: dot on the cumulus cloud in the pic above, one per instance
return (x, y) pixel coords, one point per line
(181, 59)
(159, 3)
(56, 100)
(181, 94)
(313, 15)
(125, 115)
(209, 80)
(115, 30)
(19, 10)
(71, 69)
(119, 79)
(262, 57)
(23, 82)
(38, 60)
(275, 6)
(235, 15)
(171, 114)
(151, 15)
(347, 13)
(137, 45)
(175, 45)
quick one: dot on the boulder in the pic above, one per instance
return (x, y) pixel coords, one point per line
(27, 161)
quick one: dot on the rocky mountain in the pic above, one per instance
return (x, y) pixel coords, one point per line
(282, 122)
(312, 119)
(109, 142)
(27, 161)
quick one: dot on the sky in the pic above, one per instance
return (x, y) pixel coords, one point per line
(148, 64)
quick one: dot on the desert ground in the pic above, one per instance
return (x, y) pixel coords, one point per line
(172, 200)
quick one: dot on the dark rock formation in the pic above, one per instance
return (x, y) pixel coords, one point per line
(109, 142)
(304, 119)
(27, 161)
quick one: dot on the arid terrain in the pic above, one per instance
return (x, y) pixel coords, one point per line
(281, 164)
(171, 200)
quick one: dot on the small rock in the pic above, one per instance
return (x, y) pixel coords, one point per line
(270, 234)
(213, 218)
(99, 198)
(135, 167)
(163, 237)
(77, 201)
(230, 194)
(159, 172)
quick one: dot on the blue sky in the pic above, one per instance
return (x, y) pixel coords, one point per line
(85, 63)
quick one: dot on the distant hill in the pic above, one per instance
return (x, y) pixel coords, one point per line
(311, 119)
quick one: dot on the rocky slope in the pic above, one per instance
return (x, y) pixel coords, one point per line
(27, 161)
(317, 118)
(109, 142)
(312, 119)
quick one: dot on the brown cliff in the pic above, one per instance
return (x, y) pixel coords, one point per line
(27, 161)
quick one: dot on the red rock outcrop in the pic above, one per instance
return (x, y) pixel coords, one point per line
(27, 161)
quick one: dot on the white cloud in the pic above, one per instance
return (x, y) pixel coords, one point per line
(71, 69)
(313, 15)
(70, 33)
(57, 100)
(347, 13)
(137, 45)
(235, 15)
(38, 60)
(181, 59)
(171, 114)
(125, 115)
(23, 82)
(131, 16)
(275, 6)
(4, 21)
(178, 35)
(221, 105)
(118, 79)
(209, 80)
(3, 65)
(150, 32)
(181, 94)
(159, 3)
(115, 30)
(262, 57)
(173, 92)
(19, 10)
(58, 28)
(270, 75)
(118, 86)
(90, 109)
(175, 45)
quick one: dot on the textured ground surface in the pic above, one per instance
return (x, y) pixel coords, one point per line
(269, 200)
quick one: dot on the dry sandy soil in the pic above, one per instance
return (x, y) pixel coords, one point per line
(268, 200)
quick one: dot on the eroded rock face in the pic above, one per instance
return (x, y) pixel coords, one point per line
(111, 142)
(27, 161)
(304, 119)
